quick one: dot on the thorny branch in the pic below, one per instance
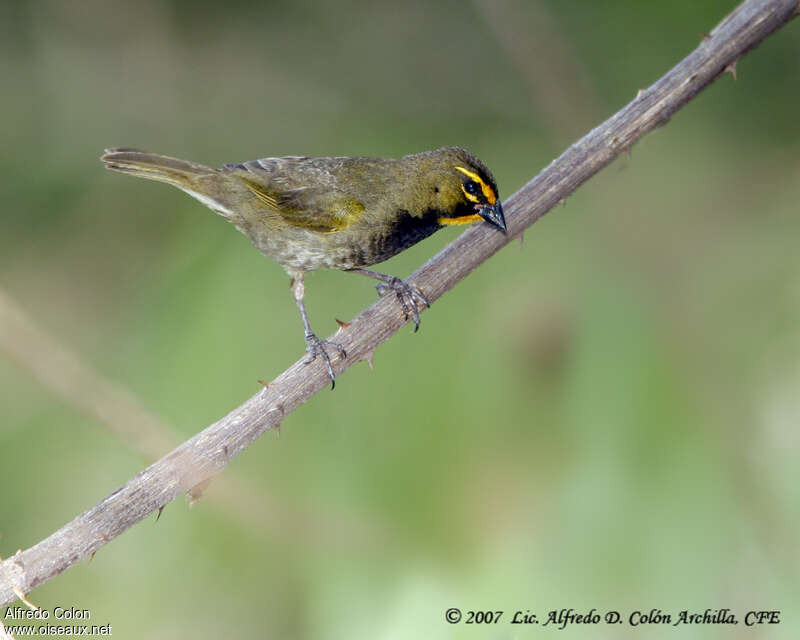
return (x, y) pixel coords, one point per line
(191, 466)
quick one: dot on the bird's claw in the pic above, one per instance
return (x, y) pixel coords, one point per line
(316, 347)
(407, 295)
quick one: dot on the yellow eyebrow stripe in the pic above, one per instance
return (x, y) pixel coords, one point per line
(490, 196)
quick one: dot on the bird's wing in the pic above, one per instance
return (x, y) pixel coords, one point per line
(311, 208)
(303, 195)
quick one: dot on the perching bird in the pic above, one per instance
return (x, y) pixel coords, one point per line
(334, 213)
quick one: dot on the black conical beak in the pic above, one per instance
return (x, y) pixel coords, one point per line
(493, 214)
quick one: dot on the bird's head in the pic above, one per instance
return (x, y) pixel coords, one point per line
(466, 190)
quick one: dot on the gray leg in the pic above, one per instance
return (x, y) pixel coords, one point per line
(406, 294)
(314, 346)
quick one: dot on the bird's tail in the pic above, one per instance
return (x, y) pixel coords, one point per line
(199, 181)
(174, 171)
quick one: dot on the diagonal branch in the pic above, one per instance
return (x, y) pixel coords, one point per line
(191, 466)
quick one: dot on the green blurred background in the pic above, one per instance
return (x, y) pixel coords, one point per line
(606, 416)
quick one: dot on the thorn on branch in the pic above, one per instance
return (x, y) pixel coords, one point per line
(17, 591)
(23, 597)
(731, 68)
(103, 538)
(281, 410)
(368, 359)
(196, 492)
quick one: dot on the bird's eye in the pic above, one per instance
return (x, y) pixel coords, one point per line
(472, 188)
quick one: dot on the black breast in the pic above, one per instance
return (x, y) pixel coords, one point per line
(405, 231)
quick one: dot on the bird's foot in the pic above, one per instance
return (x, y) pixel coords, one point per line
(316, 347)
(408, 296)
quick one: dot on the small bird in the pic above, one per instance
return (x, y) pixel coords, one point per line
(334, 213)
